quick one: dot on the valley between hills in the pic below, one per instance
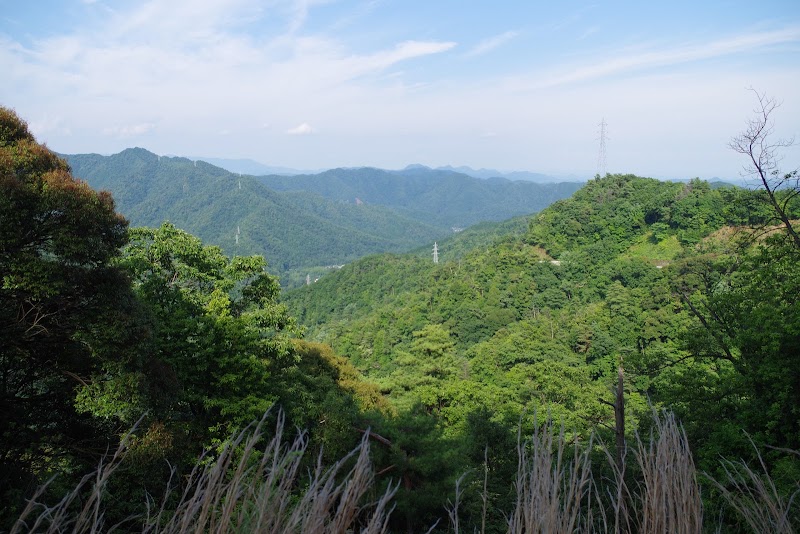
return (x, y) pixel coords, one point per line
(577, 350)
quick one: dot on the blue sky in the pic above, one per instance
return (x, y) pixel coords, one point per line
(310, 84)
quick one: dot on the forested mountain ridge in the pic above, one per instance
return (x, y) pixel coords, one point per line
(596, 224)
(295, 228)
(439, 197)
(625, 272)
(289, 230)
(511, 175)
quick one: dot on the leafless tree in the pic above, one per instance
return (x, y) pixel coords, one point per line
(764, 154)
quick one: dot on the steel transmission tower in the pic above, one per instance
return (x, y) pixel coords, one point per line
(435, 253)
(601, 155)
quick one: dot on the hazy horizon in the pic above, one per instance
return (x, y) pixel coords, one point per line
(307, 84)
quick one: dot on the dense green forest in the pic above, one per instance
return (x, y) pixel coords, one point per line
(481, 393)
(242, 216)
(439, 197)
(305, 225)
(629, 270)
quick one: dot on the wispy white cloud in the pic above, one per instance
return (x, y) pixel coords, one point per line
(589, 31)
(407, 50)
(178, 21)
(318, 63)
(298, 11)
(672, 56)
(185, 60)
(491, 43)
(302, 129)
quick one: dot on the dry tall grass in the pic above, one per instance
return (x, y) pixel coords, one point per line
(756, 499)
(245, 489)
(669, 493)
(554, 485)
(69, 514)
(557, 492)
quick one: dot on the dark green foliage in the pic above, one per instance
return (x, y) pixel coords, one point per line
(66, 312)
(478, 236)
(746, 343)
(323, 393)
(222, 353)
(219, 328)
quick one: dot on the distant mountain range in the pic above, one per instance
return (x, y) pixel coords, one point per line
(510, 175)
(439, 197)
(255, 168)
(308, 220)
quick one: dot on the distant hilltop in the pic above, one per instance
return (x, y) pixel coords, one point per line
(256, 168)
(509, 175)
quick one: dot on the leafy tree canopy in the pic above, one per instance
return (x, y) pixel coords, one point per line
(67, 315)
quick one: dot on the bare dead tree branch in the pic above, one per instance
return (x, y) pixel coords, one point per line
(756, 142)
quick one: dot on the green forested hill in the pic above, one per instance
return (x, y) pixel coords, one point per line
(290, 229)
(477, 236)
(301, 224)
(615, 218)
(435, 196)
(626, 272)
